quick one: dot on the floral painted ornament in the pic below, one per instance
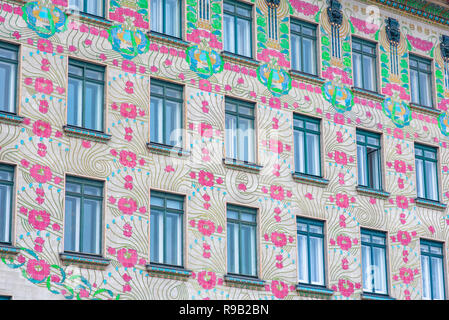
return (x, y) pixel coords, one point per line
(339, 96)
(45, 21)
(276, 80)
(204, 62)
(398, 112)
(443, 123)
(128, 43)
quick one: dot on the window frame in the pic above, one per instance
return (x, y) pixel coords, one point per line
(317, 121)
(377, 136)
(434, 150)
(164, 20)
(301, 35)
(237, 16)
(370, 233)
(11, 169)
(239, 222)
(419, 59)
(164, 209)
(12, 47)
(373, 45)
(84, 5)
(432, 243)
(308, 222)
(89, 182)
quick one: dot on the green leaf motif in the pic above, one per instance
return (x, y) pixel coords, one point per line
(325, 40)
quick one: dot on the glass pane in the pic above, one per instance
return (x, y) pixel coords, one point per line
(303, 261)
(379, 267)
(414, 83)
(233, 214)
(72, 187)
(8, 53)
(91, 227)
(231, 136)
(248, 250)
(231, 107)
(229, 33)
(315, 229)
(243, 37)
(8, 87)
(72, 224)
(367, 269)
(75, 101)
(94, 7)
(173, 125)
(435, 250)
(243, 11)
(172, 18)
(296, 53)
(173, 238)
(357, 67)
(5, 212)
(308, 51)
(360, 138)
(156, 236)
(173, 93)
(5, 175)
(174, 204)
(369, 73)
(157, 201)
(361, 166)
(298, 123)
(299, 151)
(246, 111)
(420, 178)
(93, 106)
(373, 141)
(93, 191)
(94, 74)
(312, 126)
(76, 4)
(316, 261)
(425, 91)
(248, 217)
(373, 160)
(437, 278)
(313, 154)
(430, 154)
(233, 246)
(431, 180)
(302, 227)
(245, 150)
(156, 16)
(156, 120)
(425, 277)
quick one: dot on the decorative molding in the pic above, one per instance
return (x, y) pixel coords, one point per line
(313, 79)
(167, 150)
(392, 30)
(444, 47)
(10, 118)
(273, 3)
(373, 296)
(334, 13)
(106, 23)
(311, 180)
(430, 204)
(242, 165)
(368, 94)
(162, 38)
(320, 292)
(168, 272)
(372, 192)
(244, 282)
(84, 260)
(235, 58)
(86, 134)
(429, 111)
(7, 250)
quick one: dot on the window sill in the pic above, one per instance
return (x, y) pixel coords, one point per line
(242, 165)
(7, 250)
(372, 192)
(160, 37)
(315, 290)
(10, 118)
(89, 17)
(244, 282)
(430, 204)
(428, 110)
(374, 296)
(167, 150)
(84, 260)
(307, 77)
(240, 59)
(368, 94)
(315, 181)
(86, 134)
(168, 272)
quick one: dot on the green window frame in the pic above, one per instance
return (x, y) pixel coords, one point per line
(369, 159)
(421, 81)
(240, 130)
(82, 5)
(307, 145)
(83, 226)
(85, 106)
(166, 19)
(242, 241)
(426, 164)
(237, 13)
(8, 77)
(374, 262)
(432, 264)
(166, 113)
(6, 202)
(311, 258)
(364, 56)
(166, 229)
(303, 42)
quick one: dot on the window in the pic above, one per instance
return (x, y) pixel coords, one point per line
(83, 216)
(242, 256)
(237, 33)
(432, 270)
(369, 160)
(374, 263)
(166, 17)
(306, 135)
(8, 77)
(166, 113)
(310, 237)
(95, 8)
(85, 95)
(166, 228)
(303, 42)
(426, 172)
(420, 81)
(364, 60)
(6, 202)
(240, 133)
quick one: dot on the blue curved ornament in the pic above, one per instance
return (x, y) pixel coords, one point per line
(128, 43)
(277, 81)
(45, 21)
(204, 63)
(443, 123)
(398, 112)
(340, 97)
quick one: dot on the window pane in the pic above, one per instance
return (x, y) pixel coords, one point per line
(431, 180)
(303, 259)
(296, 53)
(173, 239)
(380, 273)
(313, 154)
(156, 120)
(93, 104)
(5, 212)
(369, 73)
(308, 51)
(420, 178)
(437, 278)
(91, 226)
(72, 223)
(367, 269)
(174, 204)
(229, 33)
(357, 67)
(157, 236)
(173, 127)
(94, 7)
(248, 250)
(246, 140)
(414, 86)
(361, 166)
(316, 261)
(8, 86)
(231, 136)
(93, 191)
(156, 16)
(75, 98)
(373, 160)
(233, 253)
(425, 93)
(299, 151)
(172, 17)
(243, 37)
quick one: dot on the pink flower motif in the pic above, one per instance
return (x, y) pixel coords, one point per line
(404, 237)
(402, 202)
(242, 187)
(278, 239)
(400, 166)
(43, 85)
(39, 219)
(406, 275)
(127, 230)
(206, 227)
(206, 178)
(344, 264)
(127, 257)
(205, 130)
(277, 192)
(276, 146)
(127, 206)
(128, 110)
(40, 173)
(44, 45)
(419, 43)
(38, 270)
(342, 200)
(207, 279)
(344, 242)
(42, 129)
(279, 289)
(340, 158)
(346, 287)
(128, 158)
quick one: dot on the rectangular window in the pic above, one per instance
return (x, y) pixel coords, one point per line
(166, 17)
(303, 43)
(374, 263)
(83, 215)
(240, 133)
(166, 223)
(166, 113)
(369, 160)
(6, 202)
(364, 64)
(95, 8)
(421, 81)
(85, 95)
(306, 135)
(242, 250)
(310, 237)
(426, 172)
(432, 260)
(8, 77)
(237, 30)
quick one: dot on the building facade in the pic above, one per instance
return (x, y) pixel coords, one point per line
(218, 149)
